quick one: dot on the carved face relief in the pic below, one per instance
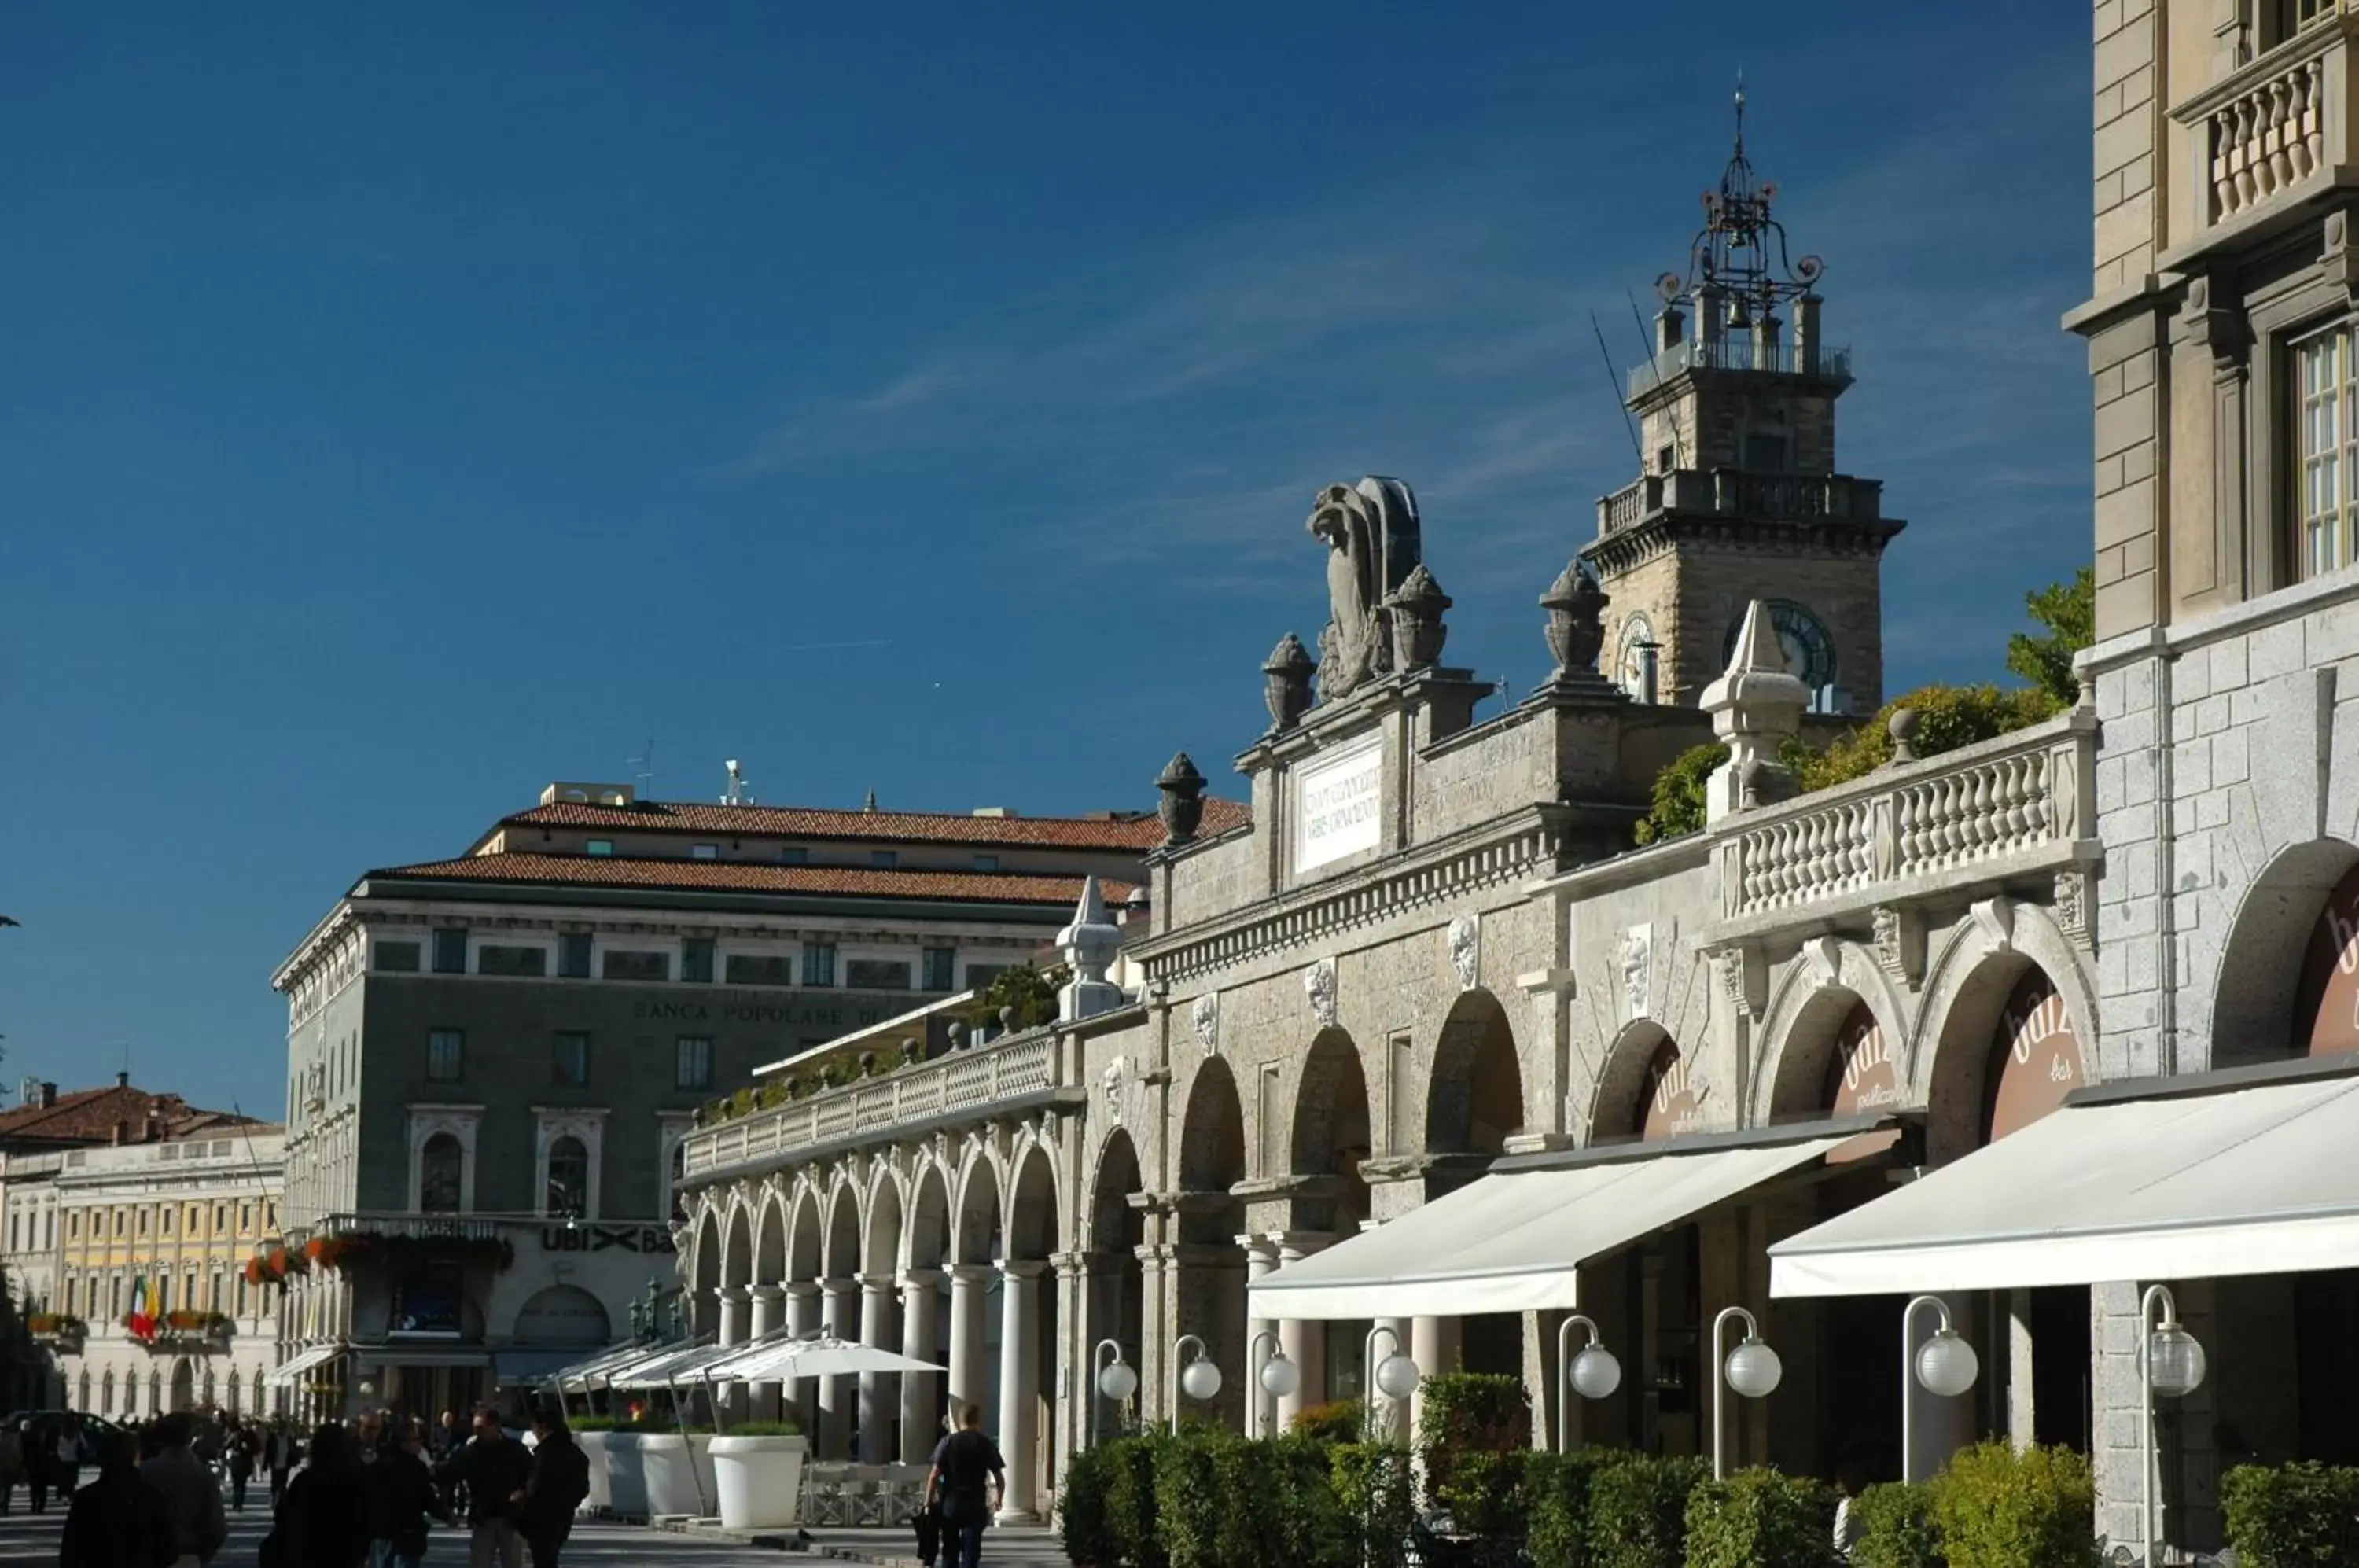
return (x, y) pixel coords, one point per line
(1318, 987)
(1110, 1082)
(1638, 970)
(1466, 950)
(1206, 1017)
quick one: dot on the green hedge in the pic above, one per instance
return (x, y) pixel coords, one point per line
(2304, 1515)
(1339, 1420)
(1760, 1519)
(1474, 1435)
(1225, 1501)
(1896, 1528)
(1084, 1521)
(1556, 1489)
(1638, 1512)
(1106, 1511)
(1374, 1487)
(1998, 1508)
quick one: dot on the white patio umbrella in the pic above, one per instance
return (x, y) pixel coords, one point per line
(789, 1360)
(663, 1368)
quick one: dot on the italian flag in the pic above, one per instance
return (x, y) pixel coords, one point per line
(142, 1322)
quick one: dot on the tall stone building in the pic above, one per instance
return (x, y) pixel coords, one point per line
(1740, 497)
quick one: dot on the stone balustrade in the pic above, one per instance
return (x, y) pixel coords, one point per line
(964, 1080)
(2019, 806)
(2275, 126)
(1731, 492)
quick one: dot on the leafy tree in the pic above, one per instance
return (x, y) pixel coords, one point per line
(2068, 611)
(1947, 718)
(1031, 992)
(1679, 794)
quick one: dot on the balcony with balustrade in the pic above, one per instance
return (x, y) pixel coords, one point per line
(2273, 132)
(2016, 811)
(1009, 1076)
(1737, 493)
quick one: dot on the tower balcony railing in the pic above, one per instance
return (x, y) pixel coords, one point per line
(1739, 493)
(2277, 128)
(1018, 1069)
(1744, 351)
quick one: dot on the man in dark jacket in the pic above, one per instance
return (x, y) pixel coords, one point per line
(494, 1470)
(243, 1448)
(402, 1494)
(118, 1520)
(560, 1480)
(189, 1489)
(324, 1521)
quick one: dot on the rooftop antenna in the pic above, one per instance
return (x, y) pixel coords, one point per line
(644, 766)
(1614, 384)
(739, 795)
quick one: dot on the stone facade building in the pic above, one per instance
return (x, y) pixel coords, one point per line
(492, 1059)
(1430, 963)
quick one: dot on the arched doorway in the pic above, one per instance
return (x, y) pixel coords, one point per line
(1212, 1221)
(880, 1322)
(562, 1317)
(1473, 1102)
(184, 1392)
(926, 1334)
(1028, 1336)
(1117, 1281)
(704, 1298)
(977, 1243)
(1331, 1134)
(839, 1403)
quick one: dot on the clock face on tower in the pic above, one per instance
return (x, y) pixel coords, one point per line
(1810, 651)
(1637, 633)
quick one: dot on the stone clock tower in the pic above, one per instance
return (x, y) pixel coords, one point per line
(1739, 498)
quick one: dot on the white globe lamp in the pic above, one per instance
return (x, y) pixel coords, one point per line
(1754, 1370)
(1280, 1378)
(1118, 1380)
(1396, 1376)
(1595, 1373)
(1946, 1364)
(1201, 1379)
(2176, 1359)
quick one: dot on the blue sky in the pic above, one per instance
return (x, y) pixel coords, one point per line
(405, 406)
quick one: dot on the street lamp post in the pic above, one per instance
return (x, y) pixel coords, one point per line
(1117, 1379)
(1593, 1374)
(1395, 1377)
(1944, 1364)
(1199, 1379)
(1752, 1369)
(2171, 1363)
(1277, 1376)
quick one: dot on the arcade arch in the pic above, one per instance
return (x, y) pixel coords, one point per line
(1475, 1098)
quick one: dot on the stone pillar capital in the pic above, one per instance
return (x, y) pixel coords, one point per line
(801, 1290)
(923, 1279)
(735, 1293)
(972, 1273)
(1026, 1268)
(767, 1292)
(875, 1284)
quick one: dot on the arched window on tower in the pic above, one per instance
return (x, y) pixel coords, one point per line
(440, 1169)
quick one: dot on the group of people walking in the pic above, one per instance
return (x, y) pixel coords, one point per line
(363, 1495)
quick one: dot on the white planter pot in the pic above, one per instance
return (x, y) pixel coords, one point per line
(679, 1473)
(596, 1447)
(759, 1480)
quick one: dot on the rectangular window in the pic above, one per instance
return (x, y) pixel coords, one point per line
(696, 960)
(759, 969)
(574, 955)
(396, 957)
(885, 859)
(986, 863)
(569, 1060)
(245, 1219)
(2328, 433)
(819, 964)
(794, 855)
(876, 975)
(450, 951)
(599, 846)
(446, 1056)
(692, 1061)
(73, 1296)
(621, 964)
(504, 960)
(941, 969)
(705, 852)
(978, 976)
(73, 1225)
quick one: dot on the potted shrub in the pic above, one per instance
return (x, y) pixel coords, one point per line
(1896, 1528)
(1638, 1512)
(1760, 1519)
(1998, 1508)
(2304, 1515)
(757, 1475)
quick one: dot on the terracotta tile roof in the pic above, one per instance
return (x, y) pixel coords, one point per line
(1138, 832)
(91, 1115)
(753, 876)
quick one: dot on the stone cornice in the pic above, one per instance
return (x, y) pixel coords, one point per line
(1656, 536)
(1508, 850)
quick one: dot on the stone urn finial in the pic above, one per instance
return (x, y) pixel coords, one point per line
(1182, 806)
(1286, 681)
(1416, 608)
(1010, 1018)
(1903, 726)
(1576, 619)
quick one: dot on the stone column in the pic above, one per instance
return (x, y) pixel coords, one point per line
(1304, 1340)
(802, 1322)
(735, 1301)
(839, 1314)
(879, 1393)
(1077, 1395)
(922, 1395)
(970, 1285)
(1433, 1345)
(1261, 1413)
(769, 1312)
(1019, 1390)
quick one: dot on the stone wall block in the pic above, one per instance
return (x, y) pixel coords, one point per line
(2274, 650)
(2289, 770)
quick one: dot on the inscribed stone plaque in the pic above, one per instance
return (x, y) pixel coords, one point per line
(1335, 805)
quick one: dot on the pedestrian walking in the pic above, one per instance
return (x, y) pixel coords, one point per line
(59, 1467)
(966, 1465)
(1847, 1525)
(402, 1495)
(560, 1480)
(12, 1460)
(323, 1521)
(278, 1450)
(118, 1520)
(189, 1490)
(493, 1469)
(244, 1447)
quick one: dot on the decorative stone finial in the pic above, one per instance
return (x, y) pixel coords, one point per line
(1286, 681)
(1089, 944)
(1756, 704)
(1417, 632)
(1576, 619)
(1903, 726)
(869, 805)
(1182, 806)
(956, 1030)
(1010, 1016)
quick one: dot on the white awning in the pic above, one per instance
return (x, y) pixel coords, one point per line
(1513, 1240)
(2188, 1183)
(291, 1371)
